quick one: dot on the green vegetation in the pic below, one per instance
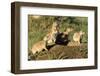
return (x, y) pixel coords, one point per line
(40, 26)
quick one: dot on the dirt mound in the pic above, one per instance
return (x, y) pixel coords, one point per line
(62, 52)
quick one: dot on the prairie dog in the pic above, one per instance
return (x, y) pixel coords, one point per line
(39, 46)
(55, 28)
(66, 32)
(77, 36)
(51, 36)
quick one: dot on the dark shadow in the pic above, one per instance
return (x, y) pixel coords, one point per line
(62, 39)
(50, 46)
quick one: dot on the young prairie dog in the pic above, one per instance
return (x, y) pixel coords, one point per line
(39, 46)
(67, 31)
(51, 36)
(77, 36)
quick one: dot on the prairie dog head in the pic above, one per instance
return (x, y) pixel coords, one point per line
(68, 30)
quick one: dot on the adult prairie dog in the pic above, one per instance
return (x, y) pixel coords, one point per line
(39, 46)
(77, 36)
(51, 36)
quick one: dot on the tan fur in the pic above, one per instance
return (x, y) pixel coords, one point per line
(77, 36)
(67, 31)
(39, 46)
(51, 36)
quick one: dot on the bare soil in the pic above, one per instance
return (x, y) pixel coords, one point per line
(62, 52)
